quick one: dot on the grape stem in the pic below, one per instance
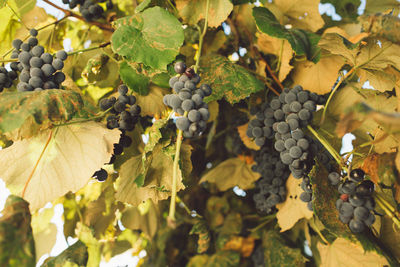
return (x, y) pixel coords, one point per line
(69, 13)
(201, 38)
(389, 210)
(179, 138)
(328, 147)
(333, 91)
(9, 60)
(89, 49)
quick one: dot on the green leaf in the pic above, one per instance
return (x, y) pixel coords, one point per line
(277, 253)
(17, 247)
(29, 112)
(134, 79)
(302, 42)
(152, 37)
(228, 80)
(75, 255)
(142, 6)
(3, 3)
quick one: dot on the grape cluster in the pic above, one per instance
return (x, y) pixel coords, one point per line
(39, 70)
(187, 101)
(272, 184)
(356, 204)
(125, 115)
(283, 119)
(89, 9)
(7, 78)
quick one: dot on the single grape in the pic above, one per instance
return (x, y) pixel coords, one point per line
(357, 175)
(61, 55)
(194, 115)
(356, 226)
(58, 64)
(334, 178)
(180, 67)
(33, 32)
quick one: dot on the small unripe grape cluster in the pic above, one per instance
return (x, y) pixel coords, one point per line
(89, 9)
(7, 78)
(39, 70)
(356, 204)
(272, 184)
(188, 100)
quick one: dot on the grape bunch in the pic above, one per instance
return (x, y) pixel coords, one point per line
(89, 9)
(272, 184)
(38, 70)
(356, 204)
(187, 101)
(7, 78)
(125, 115)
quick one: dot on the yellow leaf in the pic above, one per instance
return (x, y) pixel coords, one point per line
(158, 181)
(232, 172)
(303, 14)
(44, 232)
(280, 48)
(293, 209)
(343, 253)
(152, 103)
(194, 10)
(73, 154)
(318, 78)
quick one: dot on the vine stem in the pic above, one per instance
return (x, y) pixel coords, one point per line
(88, 49)
(69, 13)
(171, 214)
(333, 91)
(201, 38)
(36, 164)
(101, 115)
(328, 147)
(389, 210)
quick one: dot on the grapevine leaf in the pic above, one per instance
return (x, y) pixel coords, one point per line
(30, 112)
(144, 218)
(239, 173)
(300, 40)
(345, 253)
(17, 247)
(277, 253)
(200, 228)
(134, 79)
(194, 10)
(228, 80)
(293, 209)
(152, 103)
(157, 180)
(373, 7)
(240, 244)
(152, 37)
(71, 157)
(280, 48)
(303, 14)
(100, 213)
(44, 232)
(75, 255)
(389, 236)
(382, 25)
(318, 78)
(221, 259)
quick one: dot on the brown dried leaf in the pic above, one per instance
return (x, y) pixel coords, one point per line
(245, 139)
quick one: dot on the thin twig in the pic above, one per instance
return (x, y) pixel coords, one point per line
(69, 13)
(201, 38)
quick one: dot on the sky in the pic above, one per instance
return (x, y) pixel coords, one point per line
(126, 258)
